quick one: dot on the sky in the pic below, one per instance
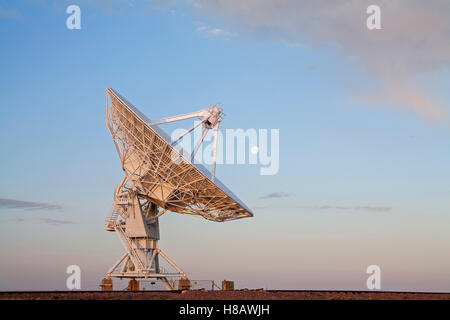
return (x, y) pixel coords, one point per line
(364, 137)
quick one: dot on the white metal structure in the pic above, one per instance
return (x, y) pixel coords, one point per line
(158, 178)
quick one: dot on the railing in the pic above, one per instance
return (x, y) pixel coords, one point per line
(120, 204)
(123, 234)
(154, 284)
(112, 219)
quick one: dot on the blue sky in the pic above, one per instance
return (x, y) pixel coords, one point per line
(365, 170)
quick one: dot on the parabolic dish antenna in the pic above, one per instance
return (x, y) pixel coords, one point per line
(159, 178)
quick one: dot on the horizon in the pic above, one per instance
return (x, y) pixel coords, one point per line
(362, 156)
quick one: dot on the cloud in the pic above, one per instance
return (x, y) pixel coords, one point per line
(356, 208)
(414, 40)
(275, 195)
(55, 222)
(370, 208)
(218, 32)
(10, 13)
(212, 32)
(28, 205)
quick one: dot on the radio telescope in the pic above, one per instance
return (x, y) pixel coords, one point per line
(159, 178)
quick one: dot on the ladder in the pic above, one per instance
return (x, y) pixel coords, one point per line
(112, 219)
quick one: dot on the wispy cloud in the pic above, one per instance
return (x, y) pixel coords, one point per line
(212, 32)
(55, 222)
(355, 208)
(27, 205)
(218, 32)
(413, 42)
(275, 195)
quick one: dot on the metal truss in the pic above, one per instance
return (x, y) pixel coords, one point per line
(158, 178)
(161, 173)
(135, 220)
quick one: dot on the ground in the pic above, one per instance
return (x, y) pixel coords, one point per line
(221, 295)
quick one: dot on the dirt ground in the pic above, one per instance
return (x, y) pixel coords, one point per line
(221, 295)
